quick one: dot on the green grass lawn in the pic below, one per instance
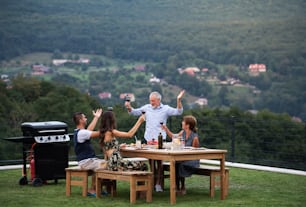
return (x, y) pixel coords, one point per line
(247, 188)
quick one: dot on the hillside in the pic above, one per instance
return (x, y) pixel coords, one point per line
(222, 31)
(224, 36)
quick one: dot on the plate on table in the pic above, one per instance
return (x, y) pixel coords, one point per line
(188, 147)
(200, 148)
(149, 146)
(143, 148)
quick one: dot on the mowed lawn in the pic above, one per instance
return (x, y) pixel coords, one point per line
(247, 188)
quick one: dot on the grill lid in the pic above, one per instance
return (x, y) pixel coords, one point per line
(45, 132)
(44, 125)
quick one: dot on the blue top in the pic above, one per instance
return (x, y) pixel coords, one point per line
(189, 140)
(186, 168)
(153, 118)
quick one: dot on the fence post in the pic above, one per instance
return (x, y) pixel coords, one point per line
(233, 137)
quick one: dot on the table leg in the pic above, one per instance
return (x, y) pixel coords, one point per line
(172, 182)
(222, 178)
(153, 170)
(98, 186)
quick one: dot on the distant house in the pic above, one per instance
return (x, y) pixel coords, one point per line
(83, 60)
(232, 81)
(58, 62)
(154, 80)
(140, 67)
(131, 95)
(205, 70)
(180, 70)
(40, 69)
(104, 95)
(297, 119)
(202, 102)
(257, 68)
(191, 70)
(5, 78)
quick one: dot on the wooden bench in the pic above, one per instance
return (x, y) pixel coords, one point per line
(139, 181)
(208, 170)
(76, 176)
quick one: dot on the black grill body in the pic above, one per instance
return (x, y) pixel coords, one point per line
(51, 149)
(49, 144)
(51, 159)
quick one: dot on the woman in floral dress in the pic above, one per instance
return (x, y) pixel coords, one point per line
(110, 144)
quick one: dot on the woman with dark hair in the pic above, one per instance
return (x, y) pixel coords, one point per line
(110, 145)
(190, 136)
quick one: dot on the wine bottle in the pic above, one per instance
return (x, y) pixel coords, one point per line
(160, 141)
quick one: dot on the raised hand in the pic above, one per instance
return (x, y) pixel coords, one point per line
(180, 95)
(98, 112)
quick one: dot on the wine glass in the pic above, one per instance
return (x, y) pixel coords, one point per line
(127, 98)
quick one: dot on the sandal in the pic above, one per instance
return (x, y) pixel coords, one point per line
(91, 194)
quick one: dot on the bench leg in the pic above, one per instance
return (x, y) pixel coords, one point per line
(226, 182)
(111, 186)
(141, 184)
(212, 185)
(85, 185)
(98, 187)
(68, 183)
(133, 189)
(75, 178)
(149, 189)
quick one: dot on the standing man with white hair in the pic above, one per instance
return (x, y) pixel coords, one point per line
(156, 114)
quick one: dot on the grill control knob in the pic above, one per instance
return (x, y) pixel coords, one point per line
(56, 137)
(41, 138)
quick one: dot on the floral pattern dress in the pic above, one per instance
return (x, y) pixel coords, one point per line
(115, 161)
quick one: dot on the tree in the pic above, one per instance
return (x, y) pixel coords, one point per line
(26, 89)
(223, 93)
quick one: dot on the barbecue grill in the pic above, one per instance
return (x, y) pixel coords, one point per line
(50, 145)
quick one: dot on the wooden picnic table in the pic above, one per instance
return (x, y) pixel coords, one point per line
(172, 156)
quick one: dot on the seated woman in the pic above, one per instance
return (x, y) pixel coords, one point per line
(190, 136)
(110, 144)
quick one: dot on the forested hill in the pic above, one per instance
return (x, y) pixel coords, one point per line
(223, 31)
(225, 36)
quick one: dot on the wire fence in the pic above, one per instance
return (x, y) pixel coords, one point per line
(270, 143)
(274, 143)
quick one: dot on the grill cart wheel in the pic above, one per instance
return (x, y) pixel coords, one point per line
(37, 182)
(23, 180)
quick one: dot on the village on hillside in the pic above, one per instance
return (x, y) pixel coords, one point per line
(199, 73)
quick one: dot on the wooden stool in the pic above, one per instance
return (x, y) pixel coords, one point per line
(217, 174)
(208, 170)
(139, 181)
(75, 176)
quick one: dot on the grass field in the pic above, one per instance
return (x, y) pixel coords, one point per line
(247, 188)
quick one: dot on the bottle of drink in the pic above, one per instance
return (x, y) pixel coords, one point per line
(160, 141)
